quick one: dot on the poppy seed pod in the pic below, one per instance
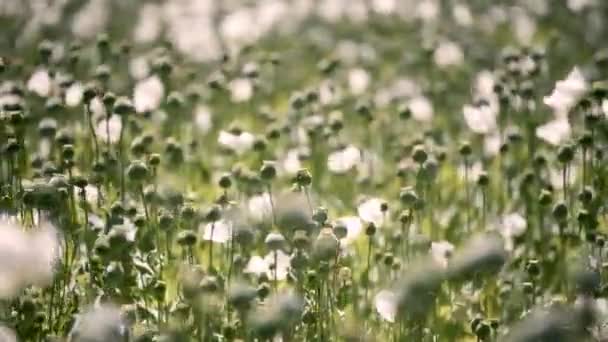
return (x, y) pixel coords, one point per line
(565, 154)
(268, 170)
(123, 106)
(419, 154)
(326, 245)
(274, 241)
(137, 171)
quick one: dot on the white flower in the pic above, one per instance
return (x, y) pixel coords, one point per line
(202, 118)
(109, 129)
(385, 302)
(148, 94)
(462, 15)
(40, 83)
(26, 258)
(511, 226)
(480, 119)
(260, 207)
(554, 132)
(448, 54)
(427, 10)
(472, 173)
(421, 109)
(578, 5)
(97, 107)
(139, 68)
(370, 211)
(239, 143)
(358, 81)
(567, 92)
(73, 95)
(605, 107)
(344, 160)
(92, 194)
(218, 231)
(491, 144)
(292, 163)
(441, 252)
(91, 19)
(354, 227)
(241, 89)
(98, 324)
(7, 335)
(258, 265)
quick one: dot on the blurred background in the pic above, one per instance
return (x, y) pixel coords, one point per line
(204, 29)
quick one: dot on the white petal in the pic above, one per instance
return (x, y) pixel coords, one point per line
(111, 126)
(241, 89)
(260, 207)
(202, 118)
(554, 132)
(283, 262)
(441, 252)
(219, 231)
(344, 160)
(480, 119)
(567, 92)
(73, 95)
(358, 81)
(386, 305)
(148, 94)
(256, 265)
(421, 109)
(40, 83)
(354, 227)
(448, 54)
(369, 211)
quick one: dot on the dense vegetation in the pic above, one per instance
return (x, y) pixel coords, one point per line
(300, 170)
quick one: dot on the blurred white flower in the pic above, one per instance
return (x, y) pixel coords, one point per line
(448, 54)
(100, 323)
(218, 231)
(524, 26)
(427, 10)
(354, 227)
(73, 95)
(358, 81)
(472, 173)
(150, 24)
(291, 163)
(241, 89)
(266, 265)
(370, 211)
(385, 302)
(97, 108)
(491, 144)
(441, 252)
(139, 68)
(462, 15)
(26, 257)
(239, 143)
(481, 119)
(109, 129)
(202, 118)
(554, 132)
(421, 109)
(344, 160)
(148, 94)
(579, 5)
(260, 207)
(7, 334)
(511, 226)
(92, 194)
(384, 6)
(567, 93)
(40, 83)
(91, 19)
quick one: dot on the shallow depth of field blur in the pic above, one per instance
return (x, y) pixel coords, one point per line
(303, 170)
